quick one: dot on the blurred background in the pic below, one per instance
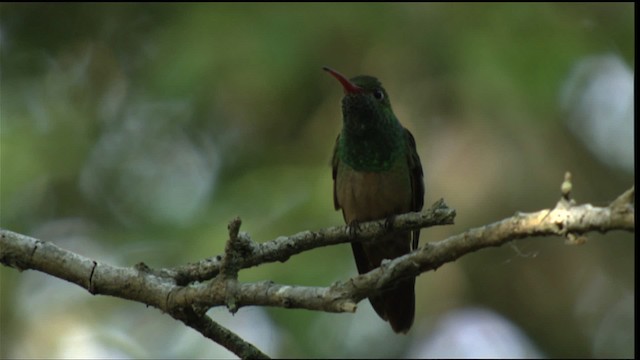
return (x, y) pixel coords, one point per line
(135, 132)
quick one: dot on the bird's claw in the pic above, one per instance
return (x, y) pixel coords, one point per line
(388, 222)
(353, 228)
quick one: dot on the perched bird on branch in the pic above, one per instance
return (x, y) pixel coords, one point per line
(377, 174)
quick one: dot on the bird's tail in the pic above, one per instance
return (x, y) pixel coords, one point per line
(397, 305)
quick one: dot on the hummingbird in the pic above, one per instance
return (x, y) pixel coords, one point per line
(377, 174)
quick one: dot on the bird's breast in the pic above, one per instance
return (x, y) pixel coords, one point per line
(365, 195)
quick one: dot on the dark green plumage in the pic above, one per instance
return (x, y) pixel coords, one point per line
(377, 174)
(372, 138)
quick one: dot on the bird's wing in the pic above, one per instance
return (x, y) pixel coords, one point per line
(334, 165)
(417, 181)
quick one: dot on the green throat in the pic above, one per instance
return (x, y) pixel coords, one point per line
(376, 151)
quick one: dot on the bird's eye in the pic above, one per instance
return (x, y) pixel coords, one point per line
(378, 94)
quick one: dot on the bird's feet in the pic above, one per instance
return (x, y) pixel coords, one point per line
(388, 222)
(353, 228)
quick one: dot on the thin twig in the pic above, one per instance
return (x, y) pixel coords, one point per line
(219, 334)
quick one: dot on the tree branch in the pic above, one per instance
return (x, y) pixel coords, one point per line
(221, 335)
(133, 283)
(282, 248)
(566, 220)
(173, 290)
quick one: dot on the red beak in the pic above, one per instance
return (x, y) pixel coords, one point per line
(349, 87)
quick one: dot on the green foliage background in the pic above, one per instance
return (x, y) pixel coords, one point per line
(135, 132)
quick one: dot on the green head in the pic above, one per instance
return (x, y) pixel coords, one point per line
(365, 107)
(371, 137)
